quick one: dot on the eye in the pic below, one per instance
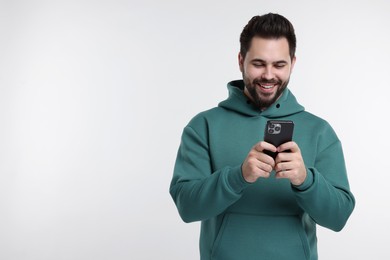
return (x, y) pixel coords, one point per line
(280, 65)
(258, 65)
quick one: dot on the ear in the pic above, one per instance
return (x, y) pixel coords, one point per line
(241, 62)
(293, 62)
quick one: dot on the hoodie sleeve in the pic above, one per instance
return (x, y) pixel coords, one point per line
(198, 192)
(328, 200)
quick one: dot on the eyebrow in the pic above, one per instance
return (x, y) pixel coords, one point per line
(276, 62)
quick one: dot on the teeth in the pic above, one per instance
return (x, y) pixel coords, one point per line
(267, 86)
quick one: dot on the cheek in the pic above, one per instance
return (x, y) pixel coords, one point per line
(279, 76)
(284, 75)
(252, 73)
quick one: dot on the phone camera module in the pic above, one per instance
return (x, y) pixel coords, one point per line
(274, 129)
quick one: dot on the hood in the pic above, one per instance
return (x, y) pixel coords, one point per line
(286, 105)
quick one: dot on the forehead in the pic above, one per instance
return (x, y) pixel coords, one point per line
(269, 49)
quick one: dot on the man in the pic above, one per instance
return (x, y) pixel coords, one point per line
(251, 205)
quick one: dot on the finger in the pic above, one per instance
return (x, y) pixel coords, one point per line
(258, 169)
(267, 159)
(284, 157)
(261, 173)
(292, 146)
(285, 174)
(265, 167)
(261, 146)
(283, 167)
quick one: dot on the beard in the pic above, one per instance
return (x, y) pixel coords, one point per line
(264, 100)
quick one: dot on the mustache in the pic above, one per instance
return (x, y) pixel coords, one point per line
(265, 81)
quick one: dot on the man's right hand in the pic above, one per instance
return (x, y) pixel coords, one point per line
(258, 164)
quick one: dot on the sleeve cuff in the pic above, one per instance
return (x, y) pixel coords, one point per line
(236, 180)
(307, 183)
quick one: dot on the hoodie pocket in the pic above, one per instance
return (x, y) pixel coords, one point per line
(260, 237)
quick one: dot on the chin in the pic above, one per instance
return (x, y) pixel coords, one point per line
(267, 98)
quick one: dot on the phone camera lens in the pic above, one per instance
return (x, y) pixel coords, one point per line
(271, 131)
(277, 128)
(271, 126)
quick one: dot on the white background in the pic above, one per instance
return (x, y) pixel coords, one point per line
(94, 96)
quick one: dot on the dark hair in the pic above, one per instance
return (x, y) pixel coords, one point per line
(268, 26)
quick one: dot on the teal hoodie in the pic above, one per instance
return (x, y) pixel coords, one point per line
(269, 219)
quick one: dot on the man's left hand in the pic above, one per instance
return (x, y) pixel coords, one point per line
(289, 163)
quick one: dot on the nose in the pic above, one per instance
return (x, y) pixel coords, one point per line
(268, 73)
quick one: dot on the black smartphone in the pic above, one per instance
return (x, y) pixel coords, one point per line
(278, 132)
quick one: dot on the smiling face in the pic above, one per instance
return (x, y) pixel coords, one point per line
(266, 70)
